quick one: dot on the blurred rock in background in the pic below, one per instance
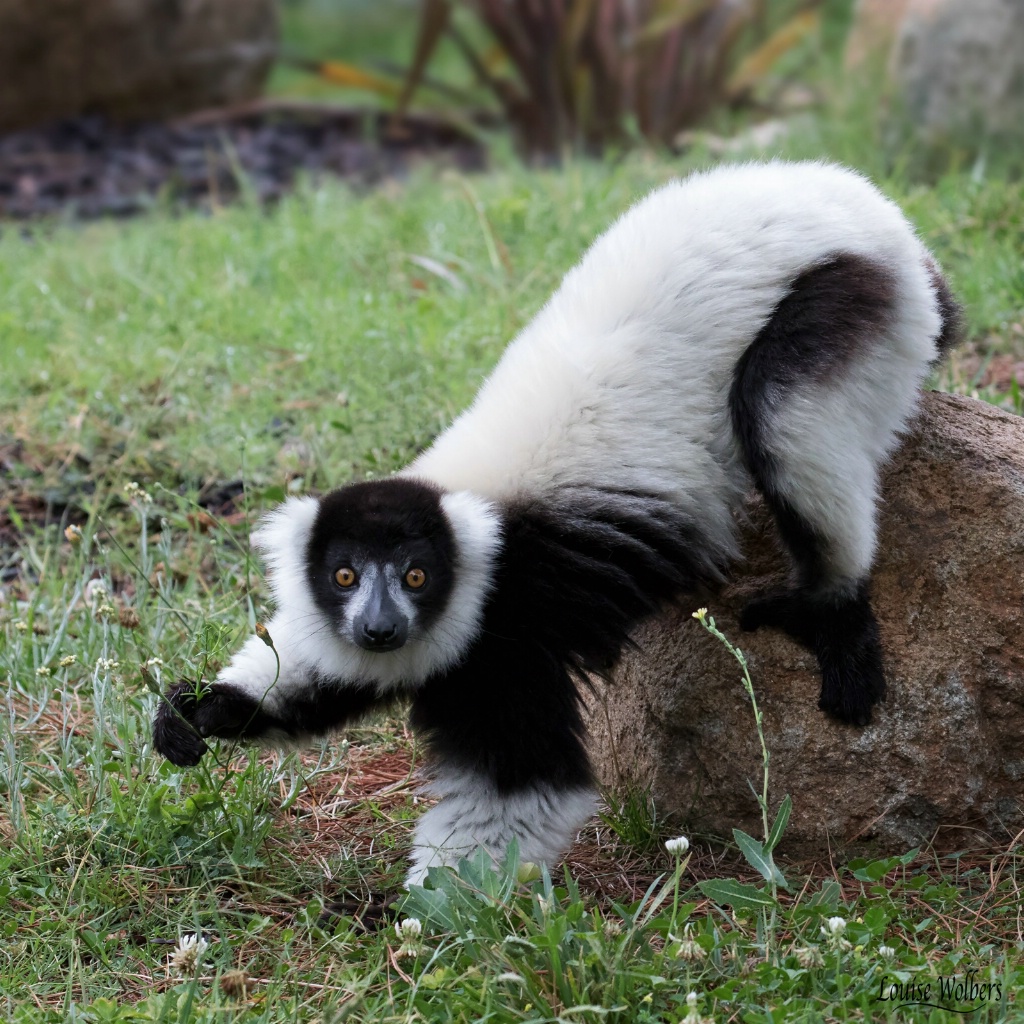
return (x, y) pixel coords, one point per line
(130, 59)
(957, 66)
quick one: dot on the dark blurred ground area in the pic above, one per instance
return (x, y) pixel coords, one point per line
(91, 167)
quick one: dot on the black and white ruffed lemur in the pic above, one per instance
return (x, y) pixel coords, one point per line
(765, 325)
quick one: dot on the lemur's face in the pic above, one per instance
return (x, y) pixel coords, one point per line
(381, 562)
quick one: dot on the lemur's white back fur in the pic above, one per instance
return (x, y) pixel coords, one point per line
(622, 378)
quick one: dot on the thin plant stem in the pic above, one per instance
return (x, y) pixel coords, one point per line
(708, 622)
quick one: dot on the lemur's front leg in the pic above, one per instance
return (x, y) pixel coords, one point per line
(252, 700)
(543, 818)
(510, 767)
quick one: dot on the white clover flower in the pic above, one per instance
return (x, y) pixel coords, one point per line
(689, 948)
(832, 930)
(410, 929)
(692, 1016)
(887, 952)
(809, 957)
(185, 958)
(409, 932)
(678, 846)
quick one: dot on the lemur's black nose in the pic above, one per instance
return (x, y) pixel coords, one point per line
(380, 634)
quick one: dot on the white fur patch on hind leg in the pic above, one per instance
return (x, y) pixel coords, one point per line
(543, 819)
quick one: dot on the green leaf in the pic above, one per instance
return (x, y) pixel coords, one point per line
(873, 870)
(781, 821)
(876, 919)
(759, 858)
(827, 896)
(736, 894)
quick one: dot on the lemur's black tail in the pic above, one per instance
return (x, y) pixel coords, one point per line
(952, 313)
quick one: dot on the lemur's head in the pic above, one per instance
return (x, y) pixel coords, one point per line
(381, 582)
(381, 561)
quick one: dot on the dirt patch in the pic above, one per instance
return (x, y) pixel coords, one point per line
(91, 167)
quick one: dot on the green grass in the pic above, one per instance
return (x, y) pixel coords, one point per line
(296, 349)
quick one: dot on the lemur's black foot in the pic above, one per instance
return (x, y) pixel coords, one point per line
(367, 915)
(780, 609)
(183, 720)
(843, 634)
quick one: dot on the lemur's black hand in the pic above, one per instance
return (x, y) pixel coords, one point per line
(182, 720)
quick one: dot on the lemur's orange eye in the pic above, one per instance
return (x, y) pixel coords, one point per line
(345, 577)
(415, 578)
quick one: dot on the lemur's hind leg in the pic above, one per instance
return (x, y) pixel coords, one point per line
(817, 402)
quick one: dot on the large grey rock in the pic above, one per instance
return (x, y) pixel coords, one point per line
(955, 68)
(961, 69)
(130, 58)
(944, 757)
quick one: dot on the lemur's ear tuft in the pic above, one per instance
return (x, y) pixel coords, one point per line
(286, 529)
(283, 538)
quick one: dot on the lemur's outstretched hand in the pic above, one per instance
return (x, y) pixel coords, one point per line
(188, 714)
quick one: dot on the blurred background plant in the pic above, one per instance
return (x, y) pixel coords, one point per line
(581, 75)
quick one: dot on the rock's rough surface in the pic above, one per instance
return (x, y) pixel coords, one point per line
(130, 60)
(944, 757)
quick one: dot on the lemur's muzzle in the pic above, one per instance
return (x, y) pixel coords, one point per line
(380, 625)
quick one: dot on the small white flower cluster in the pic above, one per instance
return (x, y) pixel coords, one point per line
(43, 670)
(185, 958)
(107, 665)
(809, 957)
(409, 932)
(97, 596)
(692, 1016)
(678, 846)
(134, 493)
(886, 952)
(832, 931)
(689, 949)
(68, 660)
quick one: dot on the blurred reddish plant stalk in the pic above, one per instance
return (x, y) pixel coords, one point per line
(585, 74)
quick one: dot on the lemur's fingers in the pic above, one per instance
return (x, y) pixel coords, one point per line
(174, 733)
(183, 720)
